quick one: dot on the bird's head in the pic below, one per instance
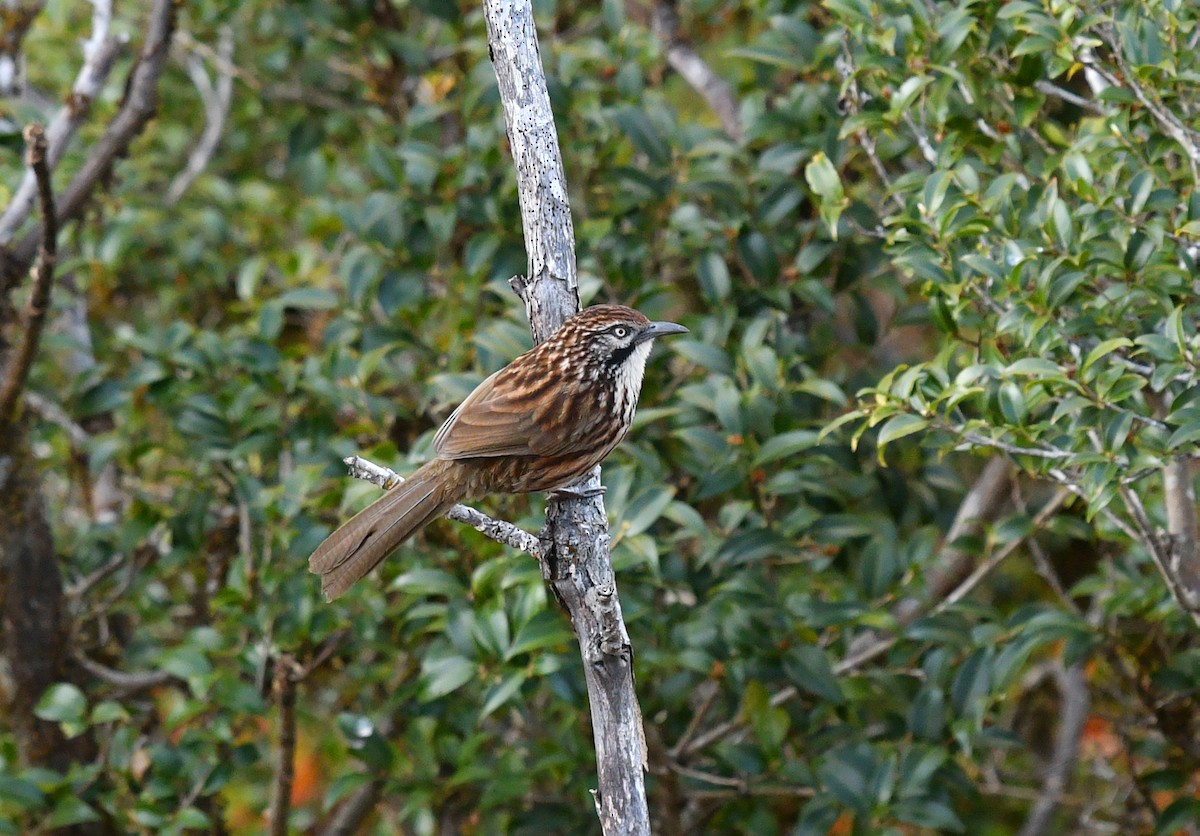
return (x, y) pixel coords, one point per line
(616, 338)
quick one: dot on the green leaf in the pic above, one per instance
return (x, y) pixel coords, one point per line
(786, 445)
(62, 703)
(1102, 350)
(440, 677)
(713, 273)
(906, 94)
(899, 426)
(544, 630)
(823, 179)
(69, 810)
(1188, 434)
(847, 773)
(927, 714)
(809, 670)
(502, 692)
(308, 298)
(1179, 815)
(428, 582)
(643, 135)
(20, 793)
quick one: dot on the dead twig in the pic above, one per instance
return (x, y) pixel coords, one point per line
(498, 530)
(125, 680)
(354, 810)
(139, 105)
(216, 99)
(693, 69)
(19, 361)
(99, 53)
(1074, 702)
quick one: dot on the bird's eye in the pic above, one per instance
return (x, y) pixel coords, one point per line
(620, 332)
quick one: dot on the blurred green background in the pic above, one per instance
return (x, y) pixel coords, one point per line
(968, 231)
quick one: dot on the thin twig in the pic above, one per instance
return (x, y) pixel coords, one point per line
(82, 586)
(354, 810)
(216, 99)
(99, 53)
(1049, 89)
(138, 106)
(693, 69)
(1179, 496)
(979, 507)
(710, 691)
(48, 410)
(1012, 449)
(1168, 121)
(1074, 702)
(927, 149)
(498, 530)
(17, 367)
(18, 18)
(853, 100)
(125, 680)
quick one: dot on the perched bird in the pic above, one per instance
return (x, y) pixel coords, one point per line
(540, 423)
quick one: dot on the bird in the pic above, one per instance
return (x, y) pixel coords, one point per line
(538, 424)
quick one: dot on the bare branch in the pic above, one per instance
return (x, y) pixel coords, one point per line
(852, 100)
(576, 560)
(1184, 529)
(99, 53)
(286, 672)
(1074, 703)
(979, 506)
(498, 530)
(51, 412)
(81, 587)
(355, 809)
(17, 367)
(1013, 449)
(125, 680)
(139, 106)
(693, 69)
(216, 99)
(1049, 89)
(18, 18)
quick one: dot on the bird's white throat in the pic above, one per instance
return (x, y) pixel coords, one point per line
(629, 379)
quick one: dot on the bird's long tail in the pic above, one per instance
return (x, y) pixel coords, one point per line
(367, 538)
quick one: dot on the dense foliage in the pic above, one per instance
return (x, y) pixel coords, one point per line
(950, 233)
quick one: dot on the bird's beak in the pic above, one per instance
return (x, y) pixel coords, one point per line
(659, 329)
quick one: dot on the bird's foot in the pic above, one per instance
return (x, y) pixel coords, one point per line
(578, 493)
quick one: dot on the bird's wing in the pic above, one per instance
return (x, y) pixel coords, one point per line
(511, 419)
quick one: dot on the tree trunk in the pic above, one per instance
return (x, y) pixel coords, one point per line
(35, 624)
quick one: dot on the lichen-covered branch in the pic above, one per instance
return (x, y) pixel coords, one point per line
(498, 530)
(576, 559)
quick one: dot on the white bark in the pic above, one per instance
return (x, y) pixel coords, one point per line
(575, 540)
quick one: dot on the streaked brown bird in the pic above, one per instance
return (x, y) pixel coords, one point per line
(540, 423)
